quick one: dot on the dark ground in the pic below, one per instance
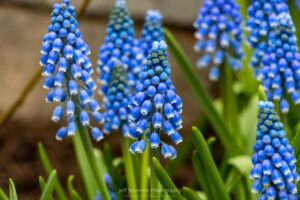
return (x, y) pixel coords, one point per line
(21, 34)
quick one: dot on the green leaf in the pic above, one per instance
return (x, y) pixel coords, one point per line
(87, 177)
(296, 142)
(42, 183)
(75, 196)
(3, 196)
(210, 141)
(228, 139)
(229, 101)
(144, 176)
(115, 176)
(130, 175)
(190, 194)
(12, 190)
(48, 190)
(48, 168)
(248, 119)
(186, 148)
(165, 181)
(208, 164)
(203, 178)
(261, 94)
(70, 184)
(242, 163)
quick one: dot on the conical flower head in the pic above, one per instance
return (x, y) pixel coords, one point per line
(116, 100)
(274, 169)
(68, 70)
(280, 68)
(261, 21)
(110, 187)
(219, 35)
(120, 43)
(152, 31)
(155, 107)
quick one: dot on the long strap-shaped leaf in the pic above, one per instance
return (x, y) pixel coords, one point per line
(48, 168)
(188, 193)
(12, 190)
(213, 116)
(42, 183)
(166, 181)
(209, 166)
(88, 179)
(48, 189)
(203, 178)
(3, 196)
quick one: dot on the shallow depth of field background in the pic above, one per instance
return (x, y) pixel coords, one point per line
(23, 24)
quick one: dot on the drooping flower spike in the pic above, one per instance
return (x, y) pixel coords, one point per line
(152, 31)
(110, 187)
(219, 35)
(274, 169)
(261, 21)
(280, 68)
(116, 100)
(155, 107)
(68, 70)
(120, 43)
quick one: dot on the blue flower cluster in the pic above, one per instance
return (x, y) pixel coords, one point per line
(280, 70)
(120, 43)
(68, 70)
(152, 31)
(219, 35)
(155, 105)
(298, 4)
(110, 187)
(274, 170)
(261, 21)
(116, 100)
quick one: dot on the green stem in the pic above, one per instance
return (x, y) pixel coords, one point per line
(130, 177)
(154, 183)
(87, 177)
(144, 173)
(229, 100)
(85, 138)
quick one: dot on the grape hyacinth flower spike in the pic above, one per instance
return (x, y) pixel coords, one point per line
(219, 36)
(155, 106)
(152, 31)
(68, 70)
(110, 187)
(120, 43)
(261, 21)
(280, 68)
(274, 168)
(116, 100)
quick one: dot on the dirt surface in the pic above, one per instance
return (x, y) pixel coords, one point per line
(20, 40)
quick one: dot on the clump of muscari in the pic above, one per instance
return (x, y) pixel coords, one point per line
(110, 187)
(116, 100)
(280, 68)
(152, 31)
(274, 169)
(120, 43)
(261, 21)
(219, 35)
(155, 106)
(68, 70)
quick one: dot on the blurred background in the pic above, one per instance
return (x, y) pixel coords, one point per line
(23, 24)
